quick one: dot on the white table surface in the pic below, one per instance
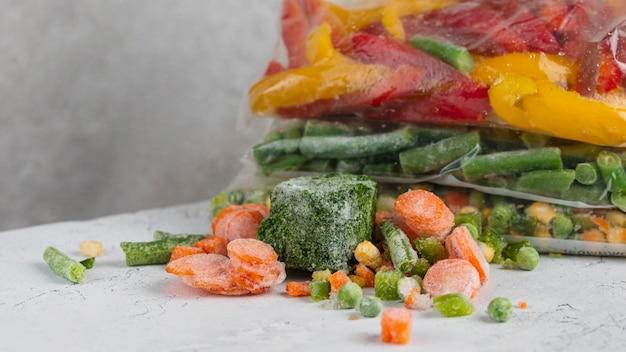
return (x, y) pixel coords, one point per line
(574, 303)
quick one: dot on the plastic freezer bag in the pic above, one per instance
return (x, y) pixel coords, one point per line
(499, 161)
(547, 66)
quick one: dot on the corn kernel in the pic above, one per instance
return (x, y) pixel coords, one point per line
(91, 249)
(487, 251)
(367, 253)
(544, 212)
(321, 275)
(616, 218)
(468, 209)
(358, 280)
(616, 235)
(542, 231)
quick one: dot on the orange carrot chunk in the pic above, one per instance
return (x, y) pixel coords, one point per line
(212, 244)
(366, 273)
(396, 326)
(451, 276)
(337, 280)
(252, 251)
(298, 289)
(461, 244)
(425, 213)
(183, 251)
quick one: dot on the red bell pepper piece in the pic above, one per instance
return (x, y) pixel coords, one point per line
(294, 30)
(443, 93)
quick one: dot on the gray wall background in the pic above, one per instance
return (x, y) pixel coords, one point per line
(111, 106)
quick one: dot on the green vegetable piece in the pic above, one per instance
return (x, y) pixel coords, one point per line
(574, 153)
(453, 305)
(509, 264)
(218, 203)
(316, 222)
(343, 147)
(493, 239)
(427, 135)
(154, 252)
(350, 166)
(587, 173)
(292, 131)
(562, 226)
(534, 140)
(320, 290)
(316, 128)
(318, 165)
(500, 309)
(527, 258)
(473, 217)
(64, 266)
(524, 225)
(187, 237)
(501, 216)
(619, 200)
(433, 157)
(370, 306)
(269, 151)
(546, 181)
(472, 230)
(257, 196)
(430, 249)
(88, 263)
(421, 267)
(236, 197)
(511, 162)
(612, 171)
(288, 162)
(386, 284)
(349, 295)
(403, 256)
(510, 252)
(454, 55)
(592, 194)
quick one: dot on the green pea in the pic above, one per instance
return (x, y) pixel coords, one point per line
(370, 306)
(527, 258)
(500, 309)
(349, 295)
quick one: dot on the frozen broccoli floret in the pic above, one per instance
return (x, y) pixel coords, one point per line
(316, 222)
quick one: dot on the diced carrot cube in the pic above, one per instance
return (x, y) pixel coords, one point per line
(396, 325)
(366, 273)
(299, 289)
(212, 245)
(337, 280)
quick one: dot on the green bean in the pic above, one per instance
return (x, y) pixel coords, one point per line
(500, 309)
(587, 173)
(427, 135)
(350, 166)
(270, 151)
(546, 181)
(88, 263)
(320, 290)
(454, 55)
(453, 305)
(154, 252)
(349, 295)
(384, 169)
(430, 248)
(370, 306)
(592, 194)
(314, 128)
(612, 170)
(511, 162)
(386, 284)
(318, 165)
(162, 235)
(434, 156)
(342, 147)
(284, 163)
(575, 153)
(403, 256)
(64, 266)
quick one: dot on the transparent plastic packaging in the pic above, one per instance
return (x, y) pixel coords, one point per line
(553, 67)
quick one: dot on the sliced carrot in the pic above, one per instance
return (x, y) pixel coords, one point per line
(252, 251)
(451, 276)
(396, 325)
(298, 288)
(212, 244)
(262, 274)
(244, 224)
(337, 280)
(366, 273)
(265, 211)
(207, 271)
(425, 213)
(601, 223)
(461, 244)
(245, 282)
(219, 217)
(455, 200)
(183, 251)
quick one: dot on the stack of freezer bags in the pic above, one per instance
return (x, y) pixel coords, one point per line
(519, 100)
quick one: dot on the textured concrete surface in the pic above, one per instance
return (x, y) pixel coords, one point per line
(115, 106)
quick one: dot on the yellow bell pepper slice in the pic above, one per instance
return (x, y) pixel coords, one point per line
(319, 46)
(554, 68)
(356, 19)
(394, 10)
(544, 106)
